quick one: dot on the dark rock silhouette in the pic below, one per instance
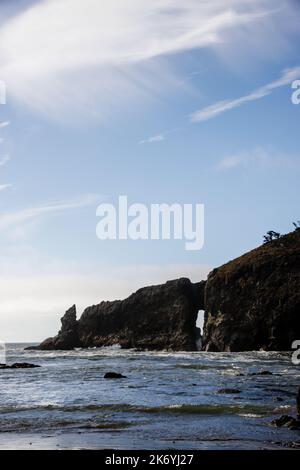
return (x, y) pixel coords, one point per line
(67, 338)
(262, 372)
(19, 365)
(114, 375)
(250, 303)
(253, 302)
(289, 421)
(226, 391)
(155, 317)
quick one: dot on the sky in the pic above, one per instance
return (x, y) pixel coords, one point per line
(164, 102)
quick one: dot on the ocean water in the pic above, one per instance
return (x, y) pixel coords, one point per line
(167, 401)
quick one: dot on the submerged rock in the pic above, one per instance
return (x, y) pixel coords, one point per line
(289, 421)
(286, 421)
(18, 365)
(229, 390)
(253, 302)
(262, 372)
(292, 445)
(114, 375)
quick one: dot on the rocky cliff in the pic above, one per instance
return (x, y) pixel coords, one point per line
(250, 303)
(253, 302)
(155, 317)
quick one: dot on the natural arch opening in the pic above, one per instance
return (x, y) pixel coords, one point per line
(199, 329)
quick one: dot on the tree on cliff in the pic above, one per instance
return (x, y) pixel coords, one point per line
(271, 235)
(297, 225)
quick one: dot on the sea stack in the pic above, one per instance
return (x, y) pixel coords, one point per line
(67, 338)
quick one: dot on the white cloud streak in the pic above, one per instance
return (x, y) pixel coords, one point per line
(100, 55)
(153, 139)
(13, 219)
(258, 155)
(4, 160)
(210, 112)
(257, 158)
(160, 137)
(5, 186)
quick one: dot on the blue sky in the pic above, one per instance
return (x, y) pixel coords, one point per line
(186, 103)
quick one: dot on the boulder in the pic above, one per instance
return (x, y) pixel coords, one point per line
(289, 421)
(286, 421)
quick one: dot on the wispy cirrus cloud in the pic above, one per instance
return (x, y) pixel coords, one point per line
(11, 220)
(4, 159)
(259, 156)
(153, 139)
(160, 137)
(128, 53)
(210, 112)
(5, 186)
(4, 124)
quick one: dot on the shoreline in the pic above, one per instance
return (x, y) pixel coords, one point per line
(195, 400)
